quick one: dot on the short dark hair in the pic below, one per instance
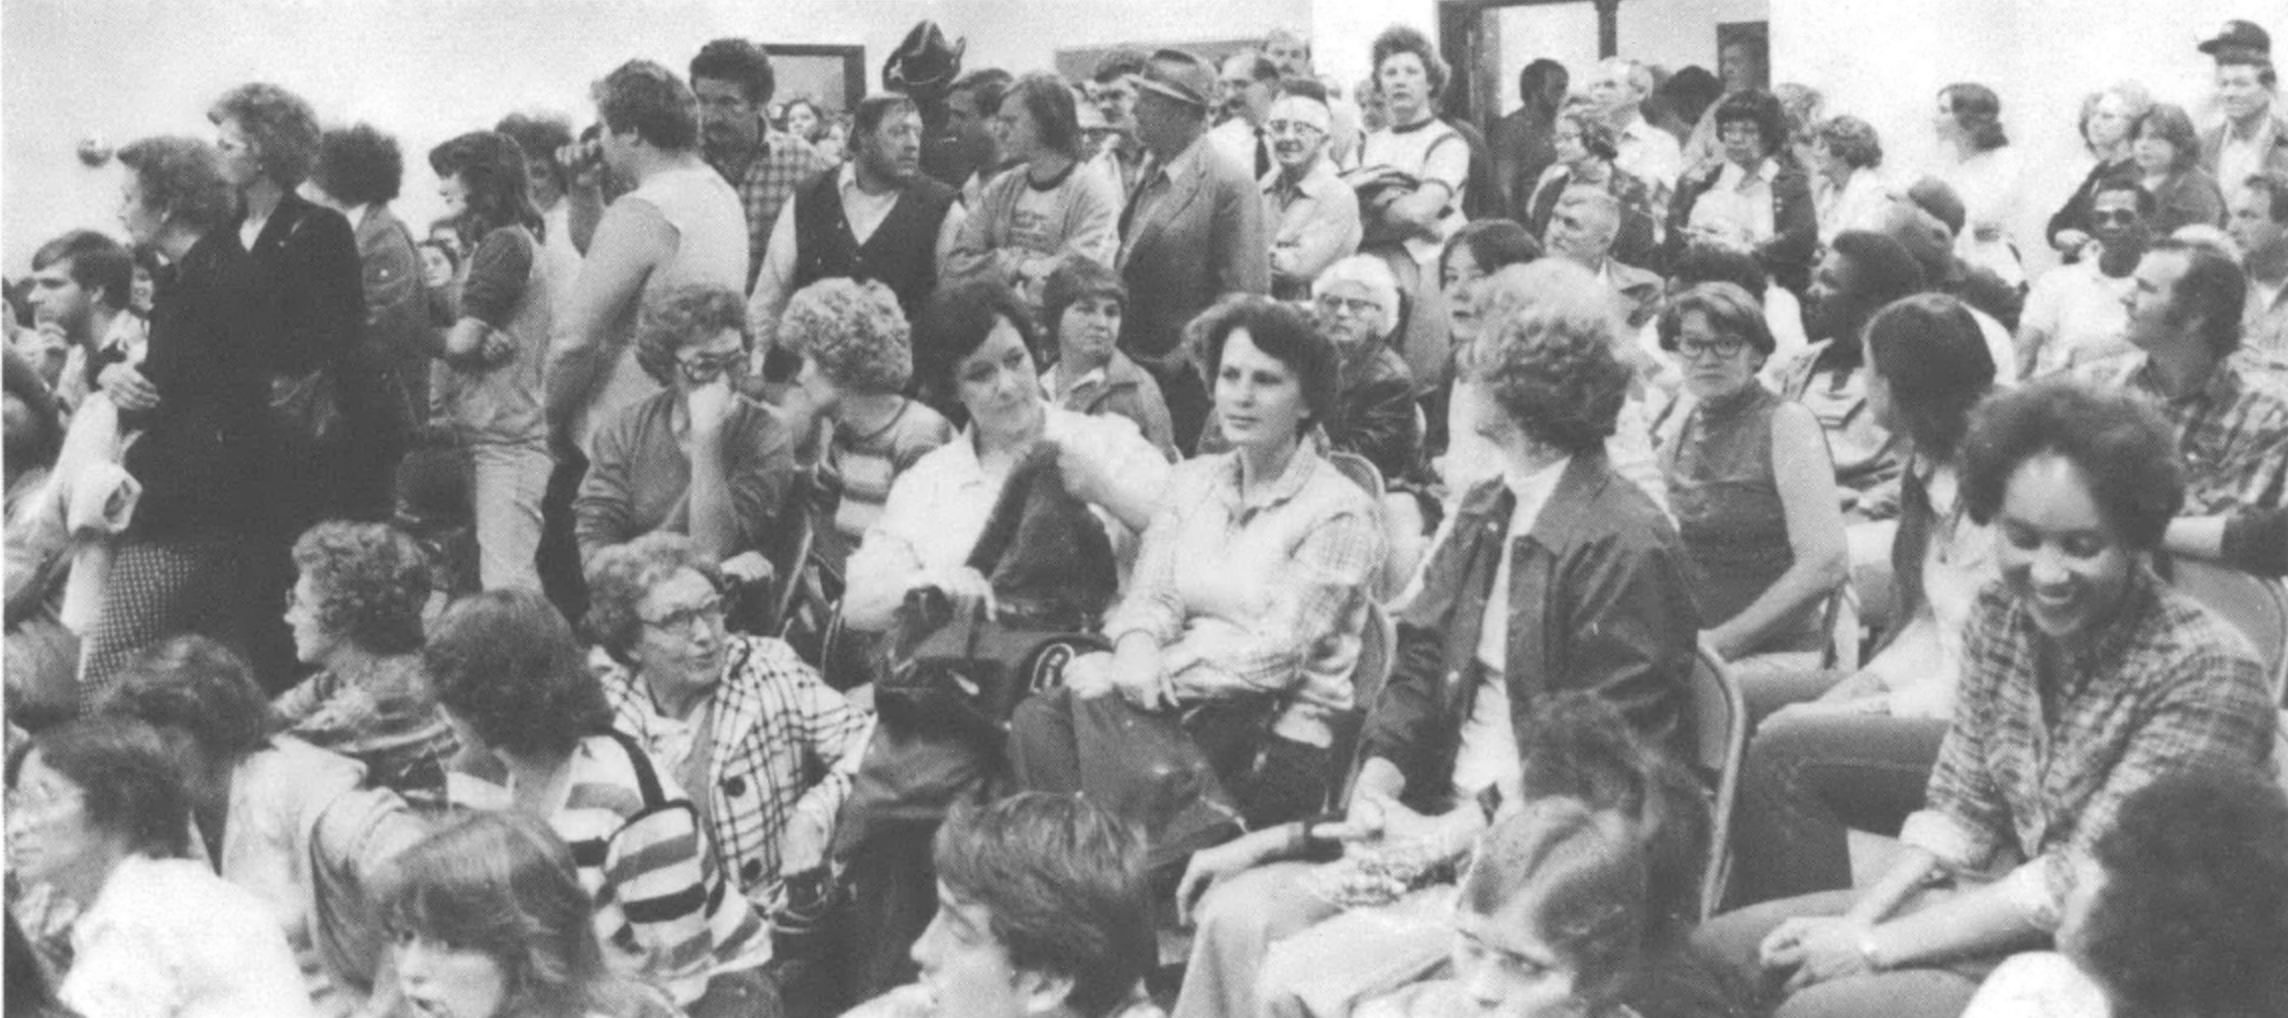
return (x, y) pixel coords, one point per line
(506, 664)
(359, 165)
(2147, 205)
(1118, 63)
(1978, 111)
(2265, 74)
(643, 97)
(2118, 441)
(1399, 39)
(1064, 884)
(132, 786)
(989, 84)
(1492, 243)
(282, 126)
(1884, 268)
(876, 108)
(490, 165)
(537, 136)
(2212, 287)
(1759, 108)
(1532, 78)
(183, 177)
(2273, 183)
(2170, 123)
(1931, 353)
(955, 322)
(739, 62)
(373, 583)
(1284, 333)
(1852, 140)
(1703, 262)
(2193, 916)
(1075, 277)
(1049, 101)
(199, 688)
(97, 263)
(1259, 66)
(1730, 309)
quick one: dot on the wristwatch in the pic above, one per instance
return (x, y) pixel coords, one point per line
(1869, 951)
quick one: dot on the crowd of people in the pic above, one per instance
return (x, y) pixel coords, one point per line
(1201, 539)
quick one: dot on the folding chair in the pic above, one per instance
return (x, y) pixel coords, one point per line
(1718, 720)
(1378, 653)
(2258, 606)
(1360, 471)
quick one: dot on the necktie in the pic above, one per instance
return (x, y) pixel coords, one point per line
(1262, 155)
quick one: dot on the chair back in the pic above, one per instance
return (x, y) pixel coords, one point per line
(1717, 717)
(1378, 653)
(2258, 607)
(1359, 470)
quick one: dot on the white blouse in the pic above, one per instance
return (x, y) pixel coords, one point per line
(167, 938)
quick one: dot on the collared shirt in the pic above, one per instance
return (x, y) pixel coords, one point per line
(2264, 329)
(169, 937)
(2240, 158)
(1315, 221)
(1740, 201)
(2232, 432)
(770, 724)
(2044, 745)
(122, 342)
(1259, 591)
(1859, 204)
(864, 212)
(780, 163)
(1245, 144)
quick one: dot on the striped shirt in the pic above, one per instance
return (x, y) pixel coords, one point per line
(2232, 432)
(780, 164)
(858, 469)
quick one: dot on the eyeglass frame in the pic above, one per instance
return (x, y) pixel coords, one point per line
(681, 620)
(1724, 347)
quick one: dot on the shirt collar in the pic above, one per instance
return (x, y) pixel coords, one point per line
(2221, 388)
(1731, 175)
(1286, 486)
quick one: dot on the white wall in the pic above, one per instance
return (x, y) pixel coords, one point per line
(1671, 33)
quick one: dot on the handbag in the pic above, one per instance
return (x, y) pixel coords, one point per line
(966, 674)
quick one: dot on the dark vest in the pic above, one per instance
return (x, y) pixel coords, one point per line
(902, 253)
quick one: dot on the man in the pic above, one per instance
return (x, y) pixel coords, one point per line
(1582, 230)
(2259, 224)
(2239, 39)
(1314, 216)
(972, 109)
(80, 284)
(1114, 97)
(2076, 314)
(1043, 911)
(680, 224)
(1244, 89)
(1291, 50)
(2230, 411)
(2252, 139)
(734, 82)
(1618, 89)
(878, 217)
(1525, 141)
(1860, 273)
(1193, 232)
(924, 67)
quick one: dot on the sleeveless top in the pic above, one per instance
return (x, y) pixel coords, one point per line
(1728, 510)
(710, 228)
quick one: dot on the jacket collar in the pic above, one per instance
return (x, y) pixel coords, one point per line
(1563, 517)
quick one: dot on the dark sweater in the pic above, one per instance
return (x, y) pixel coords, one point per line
(203, 454)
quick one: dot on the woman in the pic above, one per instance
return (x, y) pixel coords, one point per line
(357, 173)
(490, 921)
(803, 119)
(1984, 171)
(1753, 492)
(1476, 251)
(1410, 229)
(857, 358)
(936, 511)
(1251, 587)
(1858, 749)
(2085, 677)
(536, 739)
(207, 506)
(2107, 121)
(1081, 305)
(355, 612)
(737, 716)
(1756, 198)
(1040, 211)
(2167, 151)
(97, 814)
(699, 457)
(42, 668)
(1850, 194)
(489, 375)
(1586, 148)
(1374, 415)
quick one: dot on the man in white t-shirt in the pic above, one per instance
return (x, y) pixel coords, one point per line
(1619, 87)
(2075, 313)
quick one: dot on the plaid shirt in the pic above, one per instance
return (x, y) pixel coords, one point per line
(777, 168)
(2232, 433)
(1260, 592)
(2031, 772)
(781, 742)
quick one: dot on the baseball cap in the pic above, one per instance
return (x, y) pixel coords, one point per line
(2242, 34)
(1175, 74)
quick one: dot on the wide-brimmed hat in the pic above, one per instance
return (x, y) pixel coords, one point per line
(1175, 74)
(924, 60)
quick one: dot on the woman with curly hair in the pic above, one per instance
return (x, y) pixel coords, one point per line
(489, 920)
(857, 358)
(1849, 194)
(355, 611)
(1755, 197)
(537, 739)
(699, 457)
(1409, 231)
(357, 173)
(2108, 120)
(1586, 147)
(2085, 677)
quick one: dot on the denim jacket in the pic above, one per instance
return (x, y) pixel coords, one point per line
(1598, 600)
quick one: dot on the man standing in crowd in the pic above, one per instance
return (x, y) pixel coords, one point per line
(2076, 312)
(541, 137)
(1193, 232)
(878, 217)
(1115, 97)
(1313, 215)
(2239, 39)
(1619, 89)
(2231, 412)
(2252, 139)
(1525, 141)
(1244, 89)
(1582, 230)
(80, 284)
(2259, 224)
(1291, 50)
(971, 109)
(734, 83)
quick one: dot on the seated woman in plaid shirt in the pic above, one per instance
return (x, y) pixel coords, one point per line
(2084, 678)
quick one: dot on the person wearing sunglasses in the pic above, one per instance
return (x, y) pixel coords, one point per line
(1314, 215)
(2076, 313)
(699, 457)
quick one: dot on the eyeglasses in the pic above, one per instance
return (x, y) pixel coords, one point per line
(701, 370)
(1724, 347)
(682, 620)
(2123, 216)
(1338, 305)
(1294, 127)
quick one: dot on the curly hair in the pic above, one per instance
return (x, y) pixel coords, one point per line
(643, 97)
(130, 784)
(2192, 917)
(619, 578)
(2135, 100)
(1804, 105)
(1399, 39)
(1596, 132)
(1730, 310)
(1931, 354)
(955, 323)
(490, 165)
(1852, 140)
(1581, 873)
(1076, 277)
(373, 582)
(182, 177)
(739, 62)
(2170, 123)
(1546, 353)
(282, 126)
(198, 688)
(505, 663)
(1978, 111)
(359, 165)
(685, 315)
(2121, 445)
(1759, 108)
(853, 331)
(1368, 272)
(1281, 332)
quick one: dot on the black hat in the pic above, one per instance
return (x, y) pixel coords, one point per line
(2241, 35)
(924, 61)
